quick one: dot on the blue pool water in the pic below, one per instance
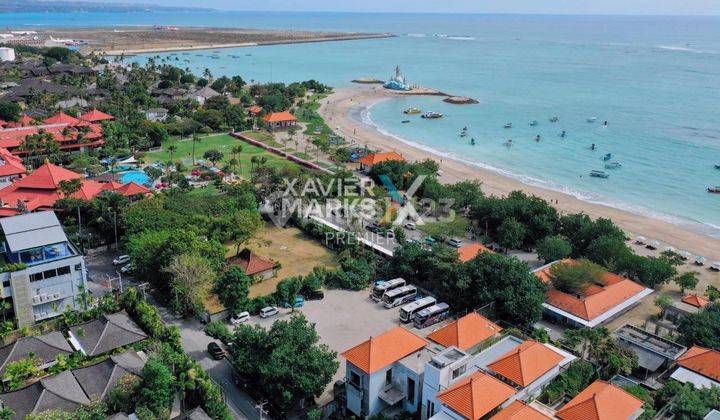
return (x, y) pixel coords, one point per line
(655, 79)
(138, 177)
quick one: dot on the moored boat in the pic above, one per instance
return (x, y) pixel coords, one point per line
(508, 125)
(714, 190)
(599, 174)
(533, 123)
(405, 121)
(412, 110)
(592, 119)
(554, 119)
(607, 157)
(613, 165)
(432, 115)
(717, 166)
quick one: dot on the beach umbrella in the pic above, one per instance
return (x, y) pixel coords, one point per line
(685, 255)
(669, 249)
(653, 245)
(699, 260)
(640, 240)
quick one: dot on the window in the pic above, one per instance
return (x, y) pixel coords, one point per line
(36, 277)
(49, 273)
(459, 371)
(388, 376)
(355, 379)
(411, 390)
(430, 409)
(63, 270)
(6, 283)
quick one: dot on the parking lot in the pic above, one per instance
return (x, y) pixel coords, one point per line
(343, 319)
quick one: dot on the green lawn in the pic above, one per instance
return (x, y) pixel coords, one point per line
(455, 228)
(222, 142)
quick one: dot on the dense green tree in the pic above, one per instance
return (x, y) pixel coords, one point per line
(651, 271)
(10, 111)
(157, 389)
(191, 276)
(553, 248)
(687, 280)
(232, 287)
(581, 231)
(702, 328)
(285, 363)
(288, 290)
(610, 252)
(575, 277)
(510, 234)
(213, 155)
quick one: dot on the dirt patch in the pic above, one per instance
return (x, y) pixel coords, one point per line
(296, 253)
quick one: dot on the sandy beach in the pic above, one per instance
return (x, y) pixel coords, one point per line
(336, 112)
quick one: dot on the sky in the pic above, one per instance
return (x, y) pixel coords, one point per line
(621, 7)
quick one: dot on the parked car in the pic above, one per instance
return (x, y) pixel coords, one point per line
(410, 226)
(454, 242)
(387, 233)
(216, 352)
(314, 295)
(268, 311)
(373, 227)
(430, 240)
(299, 302)
(127, 268)
(121, 260)
(240, 318)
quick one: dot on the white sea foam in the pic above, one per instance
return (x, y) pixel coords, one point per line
(707, 229)
(686, 49)
(417, 35)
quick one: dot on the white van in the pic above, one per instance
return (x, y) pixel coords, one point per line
(268, 311)
(240, 318)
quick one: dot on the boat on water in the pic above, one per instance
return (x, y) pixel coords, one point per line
(599, 174)
(592, 119)
(554, 119)
(508, 125)
(607, 157)
(714, 190)
(405, 121)
(412, 110)
(613, 165)
(463, 134)
(432, 115)
(717, 166)
(533, 123)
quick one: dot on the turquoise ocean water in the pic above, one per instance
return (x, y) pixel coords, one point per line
(656, 80)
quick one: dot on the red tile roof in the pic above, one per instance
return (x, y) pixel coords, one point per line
(476, 395)
(255, 110)
(131, 189)
(63, 133)
(283, 116)
(252, 263)
(62, 118)
(383, 350)
(526, 362)
(597, 300)
(12, 165)
(696, 300)
(466, 332)
(703, 361)
(519, 410)
(470, 251)
(601, 401)
(47, 176)
(95, 116)
(373, 159)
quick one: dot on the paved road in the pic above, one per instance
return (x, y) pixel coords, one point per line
(194, 340)
(195, 343)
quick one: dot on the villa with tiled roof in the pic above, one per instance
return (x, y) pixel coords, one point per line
(520, 410)
(699, 366)
(11, 167)
(475, 396)
(254, 264)
(470, 251)
(466, 333)
(372, 159)
(602, 401)
(280, 120)
(597, 305)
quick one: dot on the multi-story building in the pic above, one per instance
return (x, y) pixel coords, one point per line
(49, 273)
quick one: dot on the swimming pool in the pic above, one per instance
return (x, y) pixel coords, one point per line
(138, 177)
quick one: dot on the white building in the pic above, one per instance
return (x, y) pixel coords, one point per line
(700, 367)
(7, 54)
(54, 276)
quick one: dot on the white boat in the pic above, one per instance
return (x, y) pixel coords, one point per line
(412, 110)
(533, 123)
(508, 125)
(613, 165)
(592, 119)
(554, 119)
(432, 115)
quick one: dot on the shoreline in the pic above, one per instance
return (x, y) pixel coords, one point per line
(336, 110)
(137, 51)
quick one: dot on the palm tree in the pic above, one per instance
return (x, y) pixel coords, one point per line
(253, 161)
(172, 149)
(195, 139)
(236, 150)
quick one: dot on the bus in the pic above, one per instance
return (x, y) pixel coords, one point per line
(379, 290)
(399, 296)
(407, 311)
(432, 315)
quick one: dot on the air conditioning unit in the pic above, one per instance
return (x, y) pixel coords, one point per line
(36, 299)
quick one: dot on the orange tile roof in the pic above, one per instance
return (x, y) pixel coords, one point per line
(703, 361)
(519, 410)
(470, 251)
(279, 117)
(383, 350)
(256, 110)
(62, 118)
(466, 332)
(526, 362)
(48, 176)
(476, 395)
(600, 401)
(375, 158)
(12, 164)
(252, 263)
(696, 301)
(597, 299)
(96, 115)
